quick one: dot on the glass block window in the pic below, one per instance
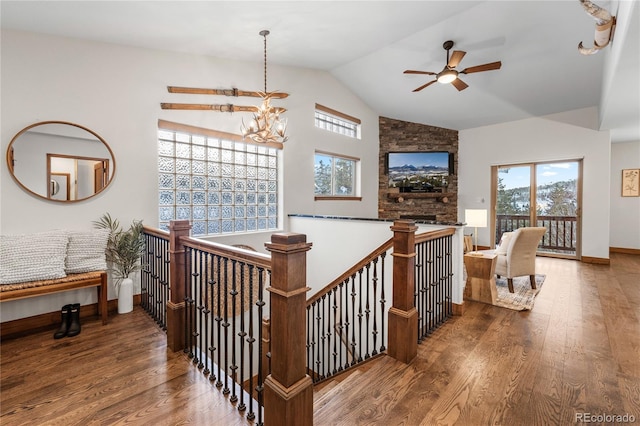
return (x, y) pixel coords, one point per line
(219, 184)
(337, 122)
(335, 175)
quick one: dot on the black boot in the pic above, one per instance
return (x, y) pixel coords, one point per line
(74, 322)
(64, 326)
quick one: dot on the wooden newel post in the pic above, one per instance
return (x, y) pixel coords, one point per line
(403, 316)
(176, 306)
(288, 394)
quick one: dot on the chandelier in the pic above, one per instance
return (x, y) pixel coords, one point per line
(266, 125)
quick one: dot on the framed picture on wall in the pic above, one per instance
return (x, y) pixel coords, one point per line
(631, 182)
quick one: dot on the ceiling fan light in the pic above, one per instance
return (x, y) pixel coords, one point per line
(447, 76)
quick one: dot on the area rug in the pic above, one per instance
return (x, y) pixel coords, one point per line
(523, 295)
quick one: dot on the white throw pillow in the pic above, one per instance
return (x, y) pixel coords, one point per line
(33, 257)
(86, 251)
(504, 243)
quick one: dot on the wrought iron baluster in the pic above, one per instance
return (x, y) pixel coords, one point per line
(197, 311)
(309, 348)
(155, 277)
(450, 276)
(260, 386)
(353, 316)
(382, 303)
(206, 278)
(314, 341)
(234, 367)
(438, 244)
(225, 326)
(251, 340)
(219, 318)
(360, 315)
(155, 258)
(317, 339)
(327, 310)
(346, 324)
(375, 307)
(418, 300)
(443, 280)
(149, 275)
(146, 272)
(367, 312)
(431, 286)
(438, 288)
(335, 328)
(242, 334)
(323, 337)
(157, 266)
(187, 302)
(341, 327)
(214, 286)
(167, 275)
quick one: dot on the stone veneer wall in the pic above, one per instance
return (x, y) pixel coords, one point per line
(396, 135)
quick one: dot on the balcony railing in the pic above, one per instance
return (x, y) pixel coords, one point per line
(213, 301)
(561, 235)
(154, 276)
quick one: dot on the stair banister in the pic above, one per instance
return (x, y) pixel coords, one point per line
(176, 305)
(403, 316)
(288, 389)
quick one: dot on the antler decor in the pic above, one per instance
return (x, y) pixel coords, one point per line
(266, 126)
(605, 24)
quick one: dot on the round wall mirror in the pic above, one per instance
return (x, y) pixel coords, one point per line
(60, 161)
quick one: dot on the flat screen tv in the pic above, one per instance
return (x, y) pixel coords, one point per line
(419, 171)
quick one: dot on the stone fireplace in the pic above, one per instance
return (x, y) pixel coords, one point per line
(398, 136)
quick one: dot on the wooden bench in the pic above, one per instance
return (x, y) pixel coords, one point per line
(24, 290)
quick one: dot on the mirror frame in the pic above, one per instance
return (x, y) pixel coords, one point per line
(40, 123)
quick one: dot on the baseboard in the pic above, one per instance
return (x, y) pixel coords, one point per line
(51, 320)
(624, 250)
(457, 309)
(595, 260)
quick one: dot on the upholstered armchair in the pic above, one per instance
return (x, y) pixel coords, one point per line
(517, 254)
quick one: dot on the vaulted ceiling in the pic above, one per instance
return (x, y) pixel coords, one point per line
(368, 44)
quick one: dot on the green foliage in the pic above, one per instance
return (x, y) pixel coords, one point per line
(556, 199)
(343, 177)
(124, 247)
(323, 178)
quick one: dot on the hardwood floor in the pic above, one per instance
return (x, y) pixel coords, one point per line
(577, 351)
(120, 373)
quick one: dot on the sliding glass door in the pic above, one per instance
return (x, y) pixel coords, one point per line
(540, 194)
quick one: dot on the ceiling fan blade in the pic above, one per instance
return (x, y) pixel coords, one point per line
(419, 72)
(456, 57)
(425, 85)
(459, 84)
(486, 67)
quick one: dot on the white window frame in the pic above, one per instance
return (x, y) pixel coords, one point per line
(356, 177)
(337, 122)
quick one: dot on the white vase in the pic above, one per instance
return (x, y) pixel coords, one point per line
(125, 296)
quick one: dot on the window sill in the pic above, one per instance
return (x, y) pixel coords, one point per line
(336, 198)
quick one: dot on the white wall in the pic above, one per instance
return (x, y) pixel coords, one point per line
(339, 244)
(564, 136)
(116, 91)
(625, 211)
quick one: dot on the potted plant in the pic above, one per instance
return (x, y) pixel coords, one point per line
(123, 252)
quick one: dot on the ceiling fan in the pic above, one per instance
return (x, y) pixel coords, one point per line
(449, 74)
